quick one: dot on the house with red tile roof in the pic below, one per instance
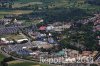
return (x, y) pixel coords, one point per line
(42, 28)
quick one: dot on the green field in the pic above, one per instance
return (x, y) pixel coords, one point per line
(1, 16)
(57, 4)
(25, 1)
(3, 12)
(19, 5)
(1, 57)
(16, 12)
(21, 63)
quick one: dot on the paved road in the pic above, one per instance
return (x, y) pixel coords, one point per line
(97, 56)
(5, 54)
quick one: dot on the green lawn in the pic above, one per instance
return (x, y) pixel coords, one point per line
(1, 57)
(1, 16)
(22, 64)
(19, 63)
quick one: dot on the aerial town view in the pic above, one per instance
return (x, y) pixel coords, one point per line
(49, 32)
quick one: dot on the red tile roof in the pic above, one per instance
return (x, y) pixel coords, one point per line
(42, 28)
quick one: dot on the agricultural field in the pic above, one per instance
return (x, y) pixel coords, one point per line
(1, 16)
(19, 5)
(16, 12)
(50, 4)
(21, 63)
(1, 57)
(25, 1)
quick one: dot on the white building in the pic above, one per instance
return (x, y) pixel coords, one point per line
(48, 28)
(21, 40)
(6, 41)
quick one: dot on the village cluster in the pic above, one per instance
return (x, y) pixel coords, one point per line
(30, 42)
